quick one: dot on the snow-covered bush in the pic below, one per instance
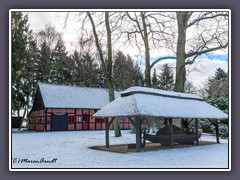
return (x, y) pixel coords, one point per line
(220, 103)
(207, 127)
(223, 130)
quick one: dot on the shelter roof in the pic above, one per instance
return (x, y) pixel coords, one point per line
(149, 102)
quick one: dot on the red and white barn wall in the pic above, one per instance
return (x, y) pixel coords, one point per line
(78, 119)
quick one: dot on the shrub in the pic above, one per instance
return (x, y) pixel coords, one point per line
(223, 130)
(208, 127)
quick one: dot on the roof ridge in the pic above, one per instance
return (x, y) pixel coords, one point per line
(159, 94)
(72, 86)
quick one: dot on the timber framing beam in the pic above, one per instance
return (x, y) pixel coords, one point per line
(45, 119)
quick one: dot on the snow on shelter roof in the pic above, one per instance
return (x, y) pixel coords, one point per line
(62, 96)
(148, 102)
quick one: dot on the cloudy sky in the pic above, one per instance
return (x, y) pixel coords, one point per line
(200, 71)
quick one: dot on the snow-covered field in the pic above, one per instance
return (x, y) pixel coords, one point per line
(70, 149)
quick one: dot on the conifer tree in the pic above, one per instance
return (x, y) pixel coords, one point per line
(166, 79)
(154, 79)
(20, 35)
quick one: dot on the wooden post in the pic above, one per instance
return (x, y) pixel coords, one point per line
(187, 125)
(106, 132)
(165, 121)
(171, 132)
(196, 132)
(217, 131)
(138, 134)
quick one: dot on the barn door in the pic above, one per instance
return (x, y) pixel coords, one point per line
(85, 121)
(59, 122)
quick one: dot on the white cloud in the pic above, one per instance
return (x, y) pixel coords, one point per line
(205, 69)
(38, 20)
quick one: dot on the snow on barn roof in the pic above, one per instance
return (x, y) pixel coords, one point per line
(62, 96)
(148, 102)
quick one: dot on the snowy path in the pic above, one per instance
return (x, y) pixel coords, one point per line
(71, 150)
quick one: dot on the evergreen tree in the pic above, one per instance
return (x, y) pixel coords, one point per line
(43, 65)
(77, 67)
(89, 71)
(154, 79)
(220, 74)
(86, 71)
(138, 76)
(121, 71)
(218, 85)
(166, 79)
(53, 64)
(125, 72)
(19, 53)
(62, 65)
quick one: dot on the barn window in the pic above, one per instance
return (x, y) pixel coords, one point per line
(70, 119)
(99, 120)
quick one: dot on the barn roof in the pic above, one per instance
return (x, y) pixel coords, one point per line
(62, 96)
(148, 102)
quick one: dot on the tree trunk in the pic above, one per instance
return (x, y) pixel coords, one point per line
(116, 124)
(182, 19)
(106, 66)
(147, 53)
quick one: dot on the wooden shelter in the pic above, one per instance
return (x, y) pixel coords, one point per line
(62, 108)
(139, 103)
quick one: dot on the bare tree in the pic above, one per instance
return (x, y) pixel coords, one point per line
(148, 30)
(210, 34)
(101, 26)
(197, 33)
(106, 65)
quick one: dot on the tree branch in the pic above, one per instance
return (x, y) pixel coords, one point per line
(203, 17)
(97, 43)
(161, 58)
(192, 61)
(206, 50)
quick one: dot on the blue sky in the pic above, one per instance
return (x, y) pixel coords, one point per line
(221, 57)
(210, 56)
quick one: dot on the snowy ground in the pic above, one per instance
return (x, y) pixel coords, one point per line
(70, 149)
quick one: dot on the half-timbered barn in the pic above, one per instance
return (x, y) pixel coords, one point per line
(62, 108)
